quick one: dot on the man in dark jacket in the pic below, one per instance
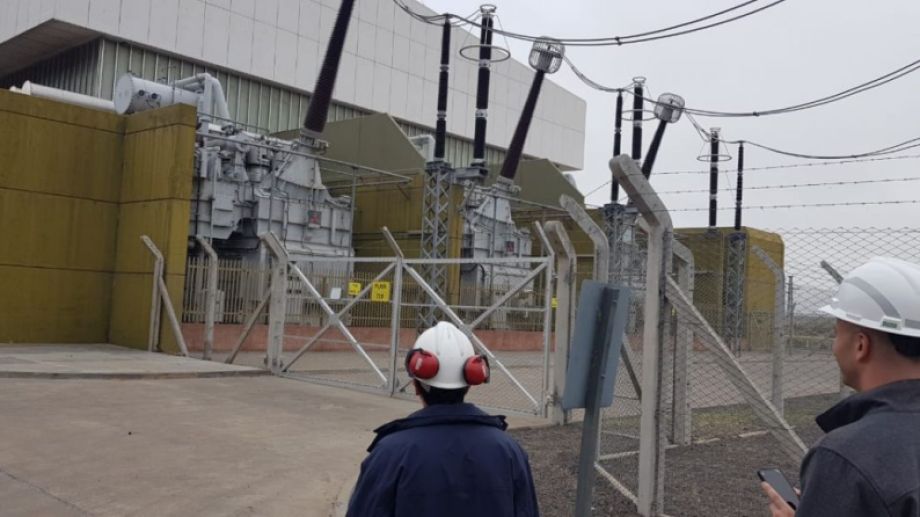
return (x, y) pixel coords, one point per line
(868, 464)
(449, 459)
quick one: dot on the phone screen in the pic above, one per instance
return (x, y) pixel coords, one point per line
(778, 481)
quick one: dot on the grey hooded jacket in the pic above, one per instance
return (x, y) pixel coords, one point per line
(869, 462)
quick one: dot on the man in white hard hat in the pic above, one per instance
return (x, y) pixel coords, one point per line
(868, 463)
(449, 459)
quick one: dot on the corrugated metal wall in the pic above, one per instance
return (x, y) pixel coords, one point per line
(93, 69)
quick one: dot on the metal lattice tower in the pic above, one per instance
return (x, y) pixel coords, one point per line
(435, 220)
(734, 290)
(625, 263)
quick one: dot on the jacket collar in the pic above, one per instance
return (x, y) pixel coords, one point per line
(440, 414)
(901, 396)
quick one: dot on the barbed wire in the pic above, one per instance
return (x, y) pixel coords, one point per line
(799, 205)
(798, 165)
(798, 185)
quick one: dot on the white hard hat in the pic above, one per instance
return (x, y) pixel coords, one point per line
(882, 294)
(452, 349)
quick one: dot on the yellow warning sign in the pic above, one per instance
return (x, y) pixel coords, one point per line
(555, 303)
(354, 288)
(380, 292)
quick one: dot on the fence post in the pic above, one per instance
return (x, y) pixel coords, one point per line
(277, 304)
(163, 296)
(652, 435)
(547, 313)
(779, 328)
(566, 269)
(844, 391)
(395, 322)
(210, 304)
(601, 271)
(681, 412)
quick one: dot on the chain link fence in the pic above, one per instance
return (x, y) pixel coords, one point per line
(746, 363)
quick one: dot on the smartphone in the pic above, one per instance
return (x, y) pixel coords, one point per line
(778, 481)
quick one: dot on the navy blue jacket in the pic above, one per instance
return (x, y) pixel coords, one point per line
(869, 462)
(445, 461)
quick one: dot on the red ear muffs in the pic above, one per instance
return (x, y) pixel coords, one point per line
(476, 370)
(422, 364)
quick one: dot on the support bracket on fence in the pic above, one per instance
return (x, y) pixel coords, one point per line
(277, 305)
(681, 413)
(652, 437)
(779, 327)
(602, 272)
(247, 328)
(825, 265)
(210, 304)
(161, 295)
(566, 285)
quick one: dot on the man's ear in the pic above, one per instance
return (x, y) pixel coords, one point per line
(865, 343)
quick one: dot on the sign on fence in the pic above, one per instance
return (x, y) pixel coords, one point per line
(354, 288)
(380, 292)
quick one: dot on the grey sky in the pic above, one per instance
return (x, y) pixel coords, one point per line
(797, 51)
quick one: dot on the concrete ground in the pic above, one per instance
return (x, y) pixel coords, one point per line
(187, 446)
(105, 361)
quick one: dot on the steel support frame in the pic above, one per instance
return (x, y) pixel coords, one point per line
(435, 232)
(734, 290)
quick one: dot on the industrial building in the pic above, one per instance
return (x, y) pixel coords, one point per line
(268, 58)
(251, 67)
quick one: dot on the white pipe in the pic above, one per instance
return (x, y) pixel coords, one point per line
(78, 99)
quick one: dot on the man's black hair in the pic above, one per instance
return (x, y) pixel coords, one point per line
(433, 396)
(906, 346)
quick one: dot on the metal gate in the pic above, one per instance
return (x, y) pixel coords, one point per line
(351, 326)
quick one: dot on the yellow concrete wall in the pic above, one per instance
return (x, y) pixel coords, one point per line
(710, 255)
(155, 199)
(77, 188)
(60, 171)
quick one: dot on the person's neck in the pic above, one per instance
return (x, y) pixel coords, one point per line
(888, 375)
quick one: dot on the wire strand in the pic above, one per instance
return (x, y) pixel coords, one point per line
(641, 37)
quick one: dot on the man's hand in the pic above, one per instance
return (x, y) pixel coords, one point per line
(778, 506)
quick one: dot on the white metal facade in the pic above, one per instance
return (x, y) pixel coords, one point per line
(390, 64)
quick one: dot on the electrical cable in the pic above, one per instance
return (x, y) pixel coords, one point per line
(641, 37)
(849, 92)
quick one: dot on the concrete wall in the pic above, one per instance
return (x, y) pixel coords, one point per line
(77, 188)
(60, 178)
(155, 199)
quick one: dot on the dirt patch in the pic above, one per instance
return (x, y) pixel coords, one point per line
(704, 479)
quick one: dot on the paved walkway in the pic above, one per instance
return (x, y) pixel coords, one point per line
(221, 446)
(107, 361)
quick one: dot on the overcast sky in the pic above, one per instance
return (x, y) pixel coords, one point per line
(797, 51)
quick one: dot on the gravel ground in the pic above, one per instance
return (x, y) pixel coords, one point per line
(707, 479)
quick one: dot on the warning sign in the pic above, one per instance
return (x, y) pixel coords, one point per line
(555, 303)
(354, 288)
(380, 292)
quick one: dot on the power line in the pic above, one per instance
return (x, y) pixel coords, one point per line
(641, 37)
(849, 92)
